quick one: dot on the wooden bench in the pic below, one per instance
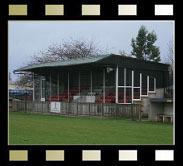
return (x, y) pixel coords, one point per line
(164, 118)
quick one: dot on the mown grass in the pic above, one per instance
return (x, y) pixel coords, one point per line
(27, 128)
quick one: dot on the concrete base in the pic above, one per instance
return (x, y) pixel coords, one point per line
(146, 103)
(161, 108)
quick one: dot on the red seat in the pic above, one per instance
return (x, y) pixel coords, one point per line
(136, 96)
(121, 101)
(99, 100)
(108, 100)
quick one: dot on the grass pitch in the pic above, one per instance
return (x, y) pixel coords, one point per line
(27, 128)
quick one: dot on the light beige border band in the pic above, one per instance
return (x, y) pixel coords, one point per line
(54, 10)
(17, 10)
(18, 155)
(127, 155)
(91, 155)
(127, 10)
(164, 155)
(54, 155)
(90, 10)
(163, 10)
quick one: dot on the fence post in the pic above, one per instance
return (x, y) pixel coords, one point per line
(102, 109)
(33, 106)
(37, 106)
(77, 109)
(20, 106)
(140, 111)
(116, 110)
(89, 109)
(132, 112)
(42, 106)
(48, 107)
(25, 108)
(66, 107)
(17, 106)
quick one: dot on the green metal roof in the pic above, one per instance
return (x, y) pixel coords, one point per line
(68, 62)
(104, 59)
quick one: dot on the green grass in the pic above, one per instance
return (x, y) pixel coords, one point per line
(26, 128)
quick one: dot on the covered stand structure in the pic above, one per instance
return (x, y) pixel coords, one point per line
(100, 79)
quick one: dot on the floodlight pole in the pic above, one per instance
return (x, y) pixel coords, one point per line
(117, 84)
(103, 85)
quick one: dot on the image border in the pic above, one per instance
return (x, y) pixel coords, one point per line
(173, 21)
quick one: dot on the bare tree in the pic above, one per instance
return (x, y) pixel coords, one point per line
(170, 60)
(170, 55)
(71, 49)
(123, 53)
(24, 80)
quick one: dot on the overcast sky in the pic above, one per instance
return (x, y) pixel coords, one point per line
(27, 38)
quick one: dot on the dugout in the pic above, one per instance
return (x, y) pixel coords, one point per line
(99, 79)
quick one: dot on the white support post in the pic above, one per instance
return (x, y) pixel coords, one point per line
(124, 85)
(33, 95)
(79, 83)
(58, 87)
(50, 86)
(132, 85)
(140, 85)
(103, 85)
(68, 87)
(117, 84)
(91, 81)
(147, 84)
